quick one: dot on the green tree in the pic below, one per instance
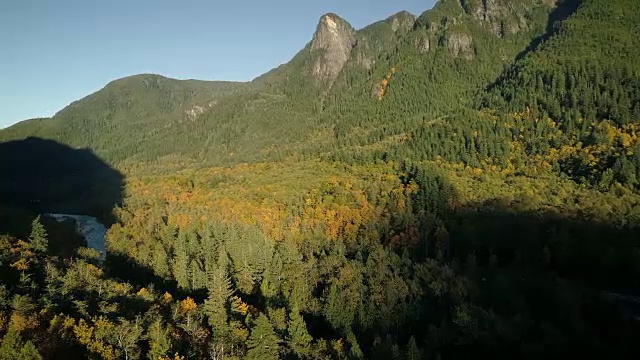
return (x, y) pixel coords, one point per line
(38, 237)
(126, 335)
(413, 351)
(298, 338)
(180, 264)
(159, 341)
(220, 290)
(263, 343)
(13, 348)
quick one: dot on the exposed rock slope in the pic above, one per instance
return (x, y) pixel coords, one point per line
(335, 38)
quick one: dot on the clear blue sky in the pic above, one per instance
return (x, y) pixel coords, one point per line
(53, 52)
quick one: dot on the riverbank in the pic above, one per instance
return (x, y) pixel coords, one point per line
(90, 228)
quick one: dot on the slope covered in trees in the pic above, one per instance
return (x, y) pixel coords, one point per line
(116, 119)
(145, 117)
(460, 184)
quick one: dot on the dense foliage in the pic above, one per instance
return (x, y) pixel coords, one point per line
(467, 186)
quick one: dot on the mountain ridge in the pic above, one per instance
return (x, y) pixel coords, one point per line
(338, 87)
(461, 184)
(327, 70)
(335, 50)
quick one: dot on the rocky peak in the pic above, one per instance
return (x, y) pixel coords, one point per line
(402, 21)
(335, 38)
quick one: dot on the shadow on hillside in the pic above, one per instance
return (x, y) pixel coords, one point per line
(562, 12)
(600, 254)
(39, 176)
(564, 287)
(552, 284)
(537, 284)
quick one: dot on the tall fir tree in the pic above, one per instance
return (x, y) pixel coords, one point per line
(298, 339)
(263, 343)
(220, 290)
(38, 239)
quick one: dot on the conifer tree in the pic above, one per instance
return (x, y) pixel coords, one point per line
(180, 266)
(220, 290)
(13, 348)
(413, 351)
(299, 339)
(38, 238)
(263, 343)
(159, 341)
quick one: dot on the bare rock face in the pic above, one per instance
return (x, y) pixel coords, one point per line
(460, 45)
(423, 44)
(336, 38)
(490, 14)
(500, 16)
(194, 112)
(365, 61)
(452, 23)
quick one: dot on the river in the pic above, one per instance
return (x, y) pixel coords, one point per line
(93, 230)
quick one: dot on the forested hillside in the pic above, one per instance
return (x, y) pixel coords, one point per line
(464, 183)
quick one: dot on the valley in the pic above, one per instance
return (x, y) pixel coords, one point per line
(463, 183)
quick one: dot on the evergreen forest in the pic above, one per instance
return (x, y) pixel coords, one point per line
(460, 184)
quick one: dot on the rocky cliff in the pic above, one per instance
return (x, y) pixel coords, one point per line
(334, 39)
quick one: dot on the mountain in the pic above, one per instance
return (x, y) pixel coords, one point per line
(125, 112)
(338, 75)
(459, 184)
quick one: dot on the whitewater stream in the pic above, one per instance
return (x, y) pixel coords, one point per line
(89, 227)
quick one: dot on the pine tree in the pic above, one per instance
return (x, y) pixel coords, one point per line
(355, 351)
(272, 280)
(12, 348)
(180, 266)
(263, 343)
(413, 351)
(38, 237)
(29, 352)
(339, 315)
(220, 290)
(159, 341)
(159, 261)
(299, 339)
